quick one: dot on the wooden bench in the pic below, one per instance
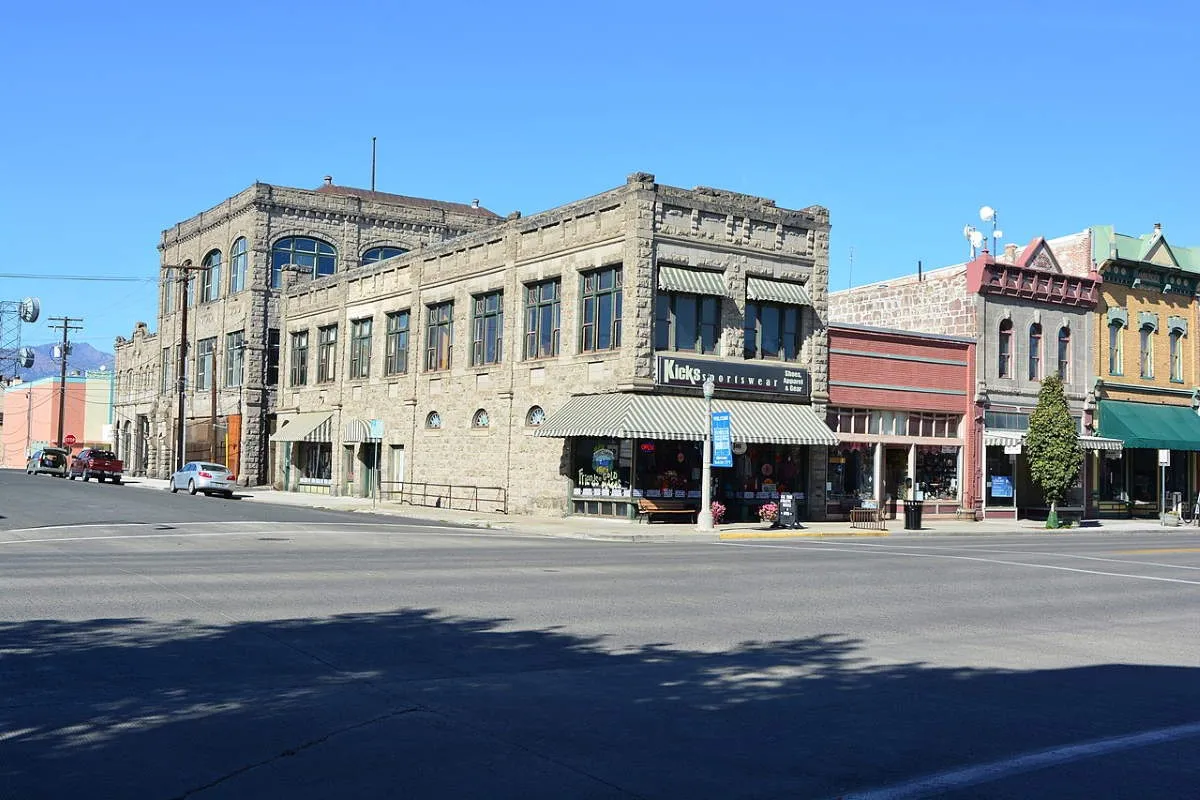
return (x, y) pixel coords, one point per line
(869, 518)
(965, 513)
(649, 506)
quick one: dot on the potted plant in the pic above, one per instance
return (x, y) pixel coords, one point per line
(769, 512)
(718, 512)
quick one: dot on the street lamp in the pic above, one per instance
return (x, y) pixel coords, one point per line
(704, 520)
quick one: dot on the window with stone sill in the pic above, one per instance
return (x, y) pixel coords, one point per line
(535, 416)
(210, 277)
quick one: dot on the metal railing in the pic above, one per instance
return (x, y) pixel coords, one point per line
(460, 497)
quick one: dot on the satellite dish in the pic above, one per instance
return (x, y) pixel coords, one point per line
(967, 229)
(31, 307)
(976, 238)
(987, 214)
(997, 234)
(25, 357)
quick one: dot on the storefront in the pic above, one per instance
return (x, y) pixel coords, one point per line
(1010, 493)
(305, 442)
(626, 446)
(1139, 482)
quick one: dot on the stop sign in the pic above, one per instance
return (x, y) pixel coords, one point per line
(69, 439)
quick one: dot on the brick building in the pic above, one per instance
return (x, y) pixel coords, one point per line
(1031, 314)
(245, 243)
(32, 411)
(558, 358)
(903, 407)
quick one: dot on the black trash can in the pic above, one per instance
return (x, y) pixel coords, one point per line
(912, 515)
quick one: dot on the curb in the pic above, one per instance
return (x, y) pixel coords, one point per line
(800, 534)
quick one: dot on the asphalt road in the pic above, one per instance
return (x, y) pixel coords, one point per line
(165, 646)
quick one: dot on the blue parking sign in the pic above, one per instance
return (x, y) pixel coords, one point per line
(722, 447)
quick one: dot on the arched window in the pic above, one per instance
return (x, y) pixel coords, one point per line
(1176, 355)
(1064, 353)
(1116, 347)
(237, 266)
(1146, 348)
(1004, 349)
(480, 420)
(433, 421)
(535, 416)
(381, 253)
(210, 277)
(1035, 351)
(313, 256)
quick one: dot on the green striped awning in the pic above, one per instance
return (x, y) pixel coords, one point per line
(671, 417)
(777, 291)
(310, 426)
(694, 281)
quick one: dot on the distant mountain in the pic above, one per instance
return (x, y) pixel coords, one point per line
(83, 357)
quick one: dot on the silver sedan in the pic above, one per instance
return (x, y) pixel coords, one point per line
(202, 476)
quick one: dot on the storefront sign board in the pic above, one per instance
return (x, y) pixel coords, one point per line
(1164, 458)
(739, 376)
(1002, 486)
(722, 445)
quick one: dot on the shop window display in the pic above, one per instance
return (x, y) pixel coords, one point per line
(937, 471)
(1000, 490)
(851, 475)
(601, 467)
(669, 469)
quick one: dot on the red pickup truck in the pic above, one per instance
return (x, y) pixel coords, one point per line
(91, 462)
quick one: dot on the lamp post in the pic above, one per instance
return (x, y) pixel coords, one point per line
(704, 520)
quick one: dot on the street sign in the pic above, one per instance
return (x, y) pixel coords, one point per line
(69, 439)
(722, 446)
(1164, 458)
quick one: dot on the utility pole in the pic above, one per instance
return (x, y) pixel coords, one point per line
(67, 327)
(184, 271)
(212, 414)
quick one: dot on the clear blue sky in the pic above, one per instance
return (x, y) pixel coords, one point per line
(902, 119)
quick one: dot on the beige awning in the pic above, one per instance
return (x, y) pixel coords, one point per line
(694, 281)
(1011, 438)
(311, 426)
(777, 291)
(360, 430)
(634, 416)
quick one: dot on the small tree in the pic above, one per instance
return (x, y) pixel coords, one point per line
(1052, 446)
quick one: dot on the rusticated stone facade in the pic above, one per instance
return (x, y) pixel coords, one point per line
(487, 413)
(135, 397)
(351, 221)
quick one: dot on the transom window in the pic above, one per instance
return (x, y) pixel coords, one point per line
(235, 357)
(327, 353)
(439, 336)
(396, 348)
(360, 348)
(600, 328)
(487, 328)
(480, 420)
(381, 253)
(771, 330)
(535, 416)
(313, 256)
(299, 359)
(687, 322)
(210, 277)
(433, 420)
(892, 423)
(1004, 350)
(543, 318)
(238, 260)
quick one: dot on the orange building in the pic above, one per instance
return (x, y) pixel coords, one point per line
(31, 414)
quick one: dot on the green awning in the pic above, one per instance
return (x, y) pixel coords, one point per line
(1150, 425)
(777, 291)
(695, 281)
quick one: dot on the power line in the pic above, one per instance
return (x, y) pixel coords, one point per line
(43, 277)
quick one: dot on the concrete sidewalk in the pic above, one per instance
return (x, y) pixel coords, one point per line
(628, 531)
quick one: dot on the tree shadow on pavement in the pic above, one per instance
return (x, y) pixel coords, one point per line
(411, 703)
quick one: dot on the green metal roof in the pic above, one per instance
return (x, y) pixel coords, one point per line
(1149, 425)
(1108, 244)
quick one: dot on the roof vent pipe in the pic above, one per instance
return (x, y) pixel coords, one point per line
(475, 203)
(329, 180)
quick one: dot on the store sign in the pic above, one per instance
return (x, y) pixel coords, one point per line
(722, 446)
(1164, 458)
(740, 376)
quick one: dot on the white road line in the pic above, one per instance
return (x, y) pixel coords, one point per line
(267, 532)
(957, 779)
(849, 549)
(1135, 562)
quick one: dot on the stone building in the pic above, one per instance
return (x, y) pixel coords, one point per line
(246, 244)
(553, 363)
(136, 395)
(1031, 314)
